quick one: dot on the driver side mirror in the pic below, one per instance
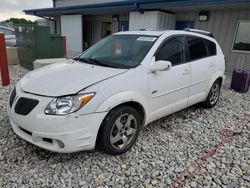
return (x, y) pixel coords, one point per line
(160, 66)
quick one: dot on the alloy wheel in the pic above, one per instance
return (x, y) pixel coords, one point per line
(123, 131)
(215, 92)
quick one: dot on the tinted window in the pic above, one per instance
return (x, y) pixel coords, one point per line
(197, 48)
(172, 50)
(211, 46)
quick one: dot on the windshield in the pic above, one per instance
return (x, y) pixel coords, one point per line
(119, 51)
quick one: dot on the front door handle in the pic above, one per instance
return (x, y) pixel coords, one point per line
(186, 72)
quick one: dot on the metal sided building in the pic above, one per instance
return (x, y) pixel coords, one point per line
(84, 22)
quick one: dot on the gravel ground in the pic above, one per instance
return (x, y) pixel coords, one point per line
(164, 149)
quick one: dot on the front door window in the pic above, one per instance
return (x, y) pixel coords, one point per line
(172, 50)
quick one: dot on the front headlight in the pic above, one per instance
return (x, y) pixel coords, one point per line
(68, 104)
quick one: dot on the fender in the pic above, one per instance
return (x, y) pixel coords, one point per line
(217, 75)
(123, 97)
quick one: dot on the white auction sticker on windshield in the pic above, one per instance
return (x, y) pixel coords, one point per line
(148, 39)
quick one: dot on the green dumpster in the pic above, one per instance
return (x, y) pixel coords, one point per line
(36, 42)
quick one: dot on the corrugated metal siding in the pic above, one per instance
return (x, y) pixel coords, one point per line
(92, 26)
(165, 21)
(71, 27)
(154, 20)
(63, 3)
(148, 20)
(222, 23)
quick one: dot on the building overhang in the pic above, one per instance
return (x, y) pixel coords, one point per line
(86, 9)
(138, 5)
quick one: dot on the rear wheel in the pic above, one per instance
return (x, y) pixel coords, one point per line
(119, 130)
(213, 96)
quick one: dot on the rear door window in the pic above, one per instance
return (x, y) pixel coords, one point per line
(196, 47)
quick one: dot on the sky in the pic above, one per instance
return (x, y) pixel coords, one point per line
(14, 8)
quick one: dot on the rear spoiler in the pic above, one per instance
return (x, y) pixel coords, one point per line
(200, 32)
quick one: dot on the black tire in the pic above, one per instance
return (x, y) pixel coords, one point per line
(213, 96)
(110, 132)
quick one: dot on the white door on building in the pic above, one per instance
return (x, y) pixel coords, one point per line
(71, 28)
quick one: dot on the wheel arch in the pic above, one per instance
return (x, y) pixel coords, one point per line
(130, 98)
(137, 106)
(218, 76)
(114, 102)
(220, 80)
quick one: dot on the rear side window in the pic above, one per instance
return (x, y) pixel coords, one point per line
(197, 48)
(211, 46)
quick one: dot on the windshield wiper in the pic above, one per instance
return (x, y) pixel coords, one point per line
(86, 60)
(94, 62)
(103, 64)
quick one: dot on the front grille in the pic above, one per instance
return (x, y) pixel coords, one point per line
(24, 105)
(12, 97)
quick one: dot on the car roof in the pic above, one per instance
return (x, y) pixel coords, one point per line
(158, 33)
(141, 32)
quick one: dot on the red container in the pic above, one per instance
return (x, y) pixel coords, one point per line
(3, 62)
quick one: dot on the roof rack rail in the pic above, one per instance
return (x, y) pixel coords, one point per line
(200, 32)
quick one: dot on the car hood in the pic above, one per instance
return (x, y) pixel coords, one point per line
(65, 78)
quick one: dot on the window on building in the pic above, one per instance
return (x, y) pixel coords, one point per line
(172, 50)
(197, 48)
(242, 37)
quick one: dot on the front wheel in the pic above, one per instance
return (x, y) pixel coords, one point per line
(213, 96)
(119, 130)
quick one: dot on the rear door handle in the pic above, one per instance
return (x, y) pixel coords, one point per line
(211, 65)
(186, 72)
